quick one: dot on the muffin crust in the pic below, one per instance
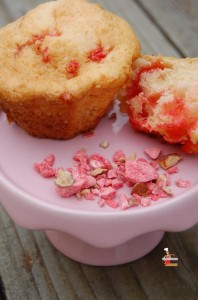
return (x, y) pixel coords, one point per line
(61, 66)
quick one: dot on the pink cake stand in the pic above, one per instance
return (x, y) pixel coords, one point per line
(81, 229)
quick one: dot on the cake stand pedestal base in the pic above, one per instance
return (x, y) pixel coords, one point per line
(82, 252)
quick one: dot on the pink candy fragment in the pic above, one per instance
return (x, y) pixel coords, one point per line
(173, 170)
(112, 203)
(81, 181)
(88, 134)
(107, 193)
(145, 201)
(139, 171)
(101, 182)
(112, 173)
(66, 192)
(126, 202)
(182, 183)
(44, 168)
(153, 152)
(117, 183)
(119, 156)
(49, 160)
(98, 161)
(89, 196)
(95, 177)
(82, 159)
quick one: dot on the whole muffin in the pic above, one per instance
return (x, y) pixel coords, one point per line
(61, 66)
(163, 99)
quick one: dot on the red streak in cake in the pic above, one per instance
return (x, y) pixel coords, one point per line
(189, 147)
(72, 68)
(174, 108)
(180, 125)
(45, 55)
(134, 89)
(174, 131)
(36, 42)
(178, 128)
(98, 54)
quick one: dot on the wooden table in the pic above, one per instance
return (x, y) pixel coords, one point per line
(30, 268)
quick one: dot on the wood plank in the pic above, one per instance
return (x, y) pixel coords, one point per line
(151, 39)
(4, 17)
(160, 282)
(178, 20)
(127, 9)
(125, 283)
(31, 268)
(187, 244)
(11, 265)
(52, 264)
(99, 282)
(175, 18)
(16, 9)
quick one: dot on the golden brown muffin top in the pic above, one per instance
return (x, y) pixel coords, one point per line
(65, 46)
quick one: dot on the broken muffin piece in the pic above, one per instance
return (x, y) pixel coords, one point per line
(163, 99)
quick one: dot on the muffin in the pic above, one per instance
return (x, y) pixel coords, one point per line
(163, 99)
(61, 66)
